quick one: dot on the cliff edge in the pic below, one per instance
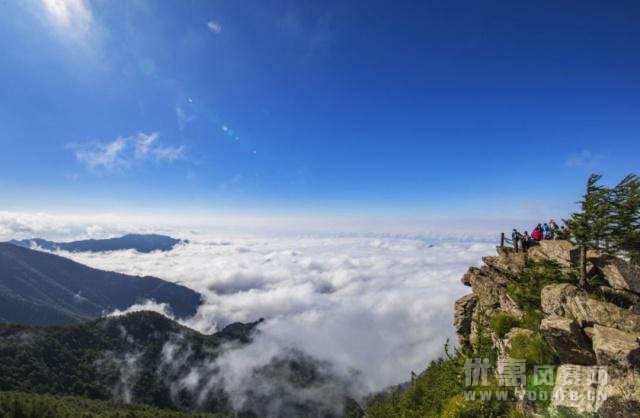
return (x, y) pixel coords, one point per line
(529, 306)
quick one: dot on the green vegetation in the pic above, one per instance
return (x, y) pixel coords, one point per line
(87, 359)
(27, 405)
(534, 349)
(502, 323)
(527, 289)
(438, 392)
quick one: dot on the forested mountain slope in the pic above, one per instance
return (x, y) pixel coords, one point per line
(40, 288)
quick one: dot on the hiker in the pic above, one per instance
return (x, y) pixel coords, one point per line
(536, 234)
(515, 238)
(546, 231)
(553, 224)
(525, 239)
(557, 233)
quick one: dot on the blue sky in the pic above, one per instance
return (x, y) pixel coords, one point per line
(460, 108)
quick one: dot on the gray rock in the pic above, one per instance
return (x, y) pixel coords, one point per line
(562, 252)
(463, 313)
(555, 297)
(620, 274)
(567, 340)
(509, 263)
(587, 311)
(575, 391)
(616, 348)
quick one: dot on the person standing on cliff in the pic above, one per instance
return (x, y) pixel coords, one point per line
(515, 238)
(536, 234)
(525, 241)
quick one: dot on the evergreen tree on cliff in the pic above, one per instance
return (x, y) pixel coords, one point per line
(591, 227)
(626, 218)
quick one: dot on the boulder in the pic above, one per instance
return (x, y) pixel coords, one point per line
(491, 290)
(616, 348)
(589, 391)
(620, 396)
(554, 297)
(587, 311)
(466, 279)
(562, 252)
(620, 274)
(508, 263)
(575, 391)
(463, 313)
(568, 341)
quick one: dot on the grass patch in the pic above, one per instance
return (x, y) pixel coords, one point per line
(502, 323)
(526, 291)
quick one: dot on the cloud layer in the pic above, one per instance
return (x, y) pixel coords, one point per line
(381, 306)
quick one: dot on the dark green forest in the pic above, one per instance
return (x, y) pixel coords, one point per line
(29, 405)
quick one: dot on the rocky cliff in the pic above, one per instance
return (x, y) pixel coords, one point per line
(525, 304)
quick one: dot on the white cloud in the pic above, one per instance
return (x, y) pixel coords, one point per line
(168, 153)
(144, 142)
(382, 306)
(183, 117)
(214, 27)
(122, 152)
(584, 159)
(108, 156)
(148, 305)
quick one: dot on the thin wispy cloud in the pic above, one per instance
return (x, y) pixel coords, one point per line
(104, 156)
(144, 143)
(584, 159)
(214, 26)
(123, 152)
(168, 153)
(183, 117)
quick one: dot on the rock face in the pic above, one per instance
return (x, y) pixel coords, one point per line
(569, 301)
(620, 274)
(595, 340)
(568, 341)
(462, 318)
(588, 311)
(555, 297)
(562, 252)
(616, 348)
(575, 391)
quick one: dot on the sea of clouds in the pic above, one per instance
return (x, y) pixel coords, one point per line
(375, 305)
(382, 306)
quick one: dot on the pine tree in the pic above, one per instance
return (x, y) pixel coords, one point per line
(626, 218)
(591, 227)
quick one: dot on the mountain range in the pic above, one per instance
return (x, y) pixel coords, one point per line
(143, 243)
(44, 289)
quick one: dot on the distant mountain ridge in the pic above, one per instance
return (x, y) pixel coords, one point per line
(143, 243)
(45, 289)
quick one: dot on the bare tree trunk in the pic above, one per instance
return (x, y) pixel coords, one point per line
(583, 266)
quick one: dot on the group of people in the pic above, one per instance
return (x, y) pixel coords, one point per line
(544, 231)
